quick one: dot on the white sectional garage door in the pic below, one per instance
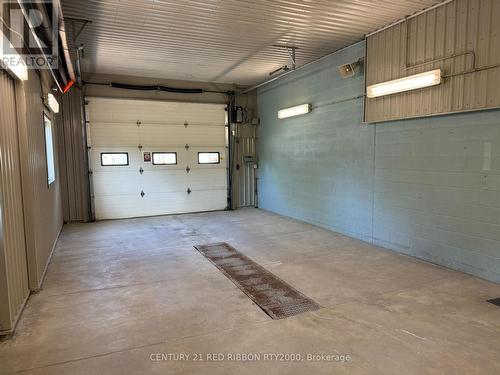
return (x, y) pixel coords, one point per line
(155, 158)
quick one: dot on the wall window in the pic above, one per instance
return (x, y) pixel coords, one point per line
(49, 150)
(115, 159)
(164, 158)
(208, 158)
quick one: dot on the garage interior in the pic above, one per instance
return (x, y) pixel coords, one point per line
(232, 186)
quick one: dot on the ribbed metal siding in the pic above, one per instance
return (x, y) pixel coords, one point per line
(42, 203)
(460, 26)
(222, 41)
(72, 161)
(246, 181)
(14, 250)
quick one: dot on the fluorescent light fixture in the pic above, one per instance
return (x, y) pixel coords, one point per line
(413, 82)
(294, 111)
(52, 103)
(12, 62)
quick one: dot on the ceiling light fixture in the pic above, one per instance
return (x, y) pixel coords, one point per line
(413, 82)
(294, 111)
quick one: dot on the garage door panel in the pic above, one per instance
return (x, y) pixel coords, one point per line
(116, 110)
(168, 135)
(207, 200)
(116, 134)
(163, 135)
(176, 167)
(201, 179)
(164, 181)
(116, 183)
(161, 203)
(192, 113)
(206, 136)
(177, 202)
(118, 206)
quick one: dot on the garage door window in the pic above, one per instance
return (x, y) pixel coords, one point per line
(164, 158)
(208, 158)
(116, 159)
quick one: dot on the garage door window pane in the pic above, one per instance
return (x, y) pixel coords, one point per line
(208, 158)
(114, 159)
(164, 158)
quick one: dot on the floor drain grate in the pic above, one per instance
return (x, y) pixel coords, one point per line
(278, 299)
(495, 301)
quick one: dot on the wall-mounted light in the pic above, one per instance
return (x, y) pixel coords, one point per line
(52, 103)
(12, 62)
(294, 111)
(349, 70)
(413, 82)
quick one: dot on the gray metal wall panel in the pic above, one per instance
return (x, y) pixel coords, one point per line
(246, 174)
(452, 29)
(73, 164)
(42, 203)
(14, 251)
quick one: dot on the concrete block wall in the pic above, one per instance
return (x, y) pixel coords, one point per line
(427, 187)
(437, 190)
(318, 167)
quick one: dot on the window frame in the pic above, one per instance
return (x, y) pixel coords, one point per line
(114, 165)
(163, 152)
(47, 119)
(209, 152)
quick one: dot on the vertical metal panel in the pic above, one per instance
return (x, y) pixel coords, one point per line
(42, 203)
(26, 96)
(246, 176)
(14, 264)
(452, 29)
(73, 164)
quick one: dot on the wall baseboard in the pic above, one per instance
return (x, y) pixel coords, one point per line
(33, 291)
(42, 278)
(11, 331)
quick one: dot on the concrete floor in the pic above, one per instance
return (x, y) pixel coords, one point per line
(117, 292)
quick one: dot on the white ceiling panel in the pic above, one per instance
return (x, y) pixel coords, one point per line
(215, 40)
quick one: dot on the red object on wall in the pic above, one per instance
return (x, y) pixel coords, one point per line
(68, 86)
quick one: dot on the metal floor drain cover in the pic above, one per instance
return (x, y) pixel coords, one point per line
(274, 296)
(495, 301)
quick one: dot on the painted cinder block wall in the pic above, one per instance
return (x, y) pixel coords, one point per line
(318, 167)
(427, 187)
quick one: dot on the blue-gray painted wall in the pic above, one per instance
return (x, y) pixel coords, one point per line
(425, 187)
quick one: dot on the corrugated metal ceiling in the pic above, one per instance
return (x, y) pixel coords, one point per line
(227, 41)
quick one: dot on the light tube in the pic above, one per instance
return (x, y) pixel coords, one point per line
(294, 111)
(413, 82)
